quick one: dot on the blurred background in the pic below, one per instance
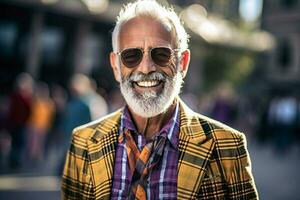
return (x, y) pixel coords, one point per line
(55, 75)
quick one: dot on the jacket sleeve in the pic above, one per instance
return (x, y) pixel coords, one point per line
(241, 183)
(76, 179)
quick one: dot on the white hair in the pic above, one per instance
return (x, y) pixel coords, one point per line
(150, 8)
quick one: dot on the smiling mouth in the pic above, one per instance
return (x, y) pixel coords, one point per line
(148, 84)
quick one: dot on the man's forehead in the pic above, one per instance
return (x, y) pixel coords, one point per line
(148, 42)
(163, 22)
(145, 29)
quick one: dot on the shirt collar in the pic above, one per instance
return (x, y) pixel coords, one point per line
(171, 129)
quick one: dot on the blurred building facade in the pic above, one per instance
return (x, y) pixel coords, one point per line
(276, 82)
(282, 65)
(228, 9)
(52, 39)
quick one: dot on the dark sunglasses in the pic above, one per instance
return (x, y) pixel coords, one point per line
(161, 56)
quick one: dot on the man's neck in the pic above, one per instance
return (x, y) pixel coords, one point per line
(150, 126)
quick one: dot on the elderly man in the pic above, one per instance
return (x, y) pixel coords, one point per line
(155, 147)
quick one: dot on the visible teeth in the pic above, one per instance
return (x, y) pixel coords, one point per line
(147, 83)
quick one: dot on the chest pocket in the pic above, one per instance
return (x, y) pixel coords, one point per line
(213, 185)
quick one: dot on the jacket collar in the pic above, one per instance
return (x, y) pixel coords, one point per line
(107, 125)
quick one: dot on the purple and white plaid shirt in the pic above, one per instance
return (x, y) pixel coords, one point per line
(163, 178)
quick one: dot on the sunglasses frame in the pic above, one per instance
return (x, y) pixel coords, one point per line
(150, 54)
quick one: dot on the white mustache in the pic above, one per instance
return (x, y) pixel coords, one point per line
(155, 76)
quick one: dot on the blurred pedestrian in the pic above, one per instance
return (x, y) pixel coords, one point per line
(282, 118)
(18, 114)
(97, 104)
(55, 138)
(297, 132)
(77, 111)
(39, 123)
(224, 107)
(5, 140)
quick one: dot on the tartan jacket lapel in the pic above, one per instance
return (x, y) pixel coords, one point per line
(102, 147)
(195, 148)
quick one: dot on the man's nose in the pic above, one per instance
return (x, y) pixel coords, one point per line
(147, 65)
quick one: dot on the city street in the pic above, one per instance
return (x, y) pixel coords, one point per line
(277, 175)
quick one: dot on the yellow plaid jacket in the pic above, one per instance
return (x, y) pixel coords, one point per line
(213, 160)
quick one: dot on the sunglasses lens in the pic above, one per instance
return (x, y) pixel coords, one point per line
(131, 57)
(161, 56)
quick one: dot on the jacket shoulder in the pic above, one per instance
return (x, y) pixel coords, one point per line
(196, 124)
(218, 130)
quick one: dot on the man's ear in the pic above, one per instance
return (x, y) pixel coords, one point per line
(184, 62)
(114, 62)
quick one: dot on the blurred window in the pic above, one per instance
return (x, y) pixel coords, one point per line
(57, 48)
(92, 52)
(288, 3)
(52, 45)
(284, 54)
(8, 37)
(14, 26)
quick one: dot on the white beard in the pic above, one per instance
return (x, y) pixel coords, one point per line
(150, 104)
